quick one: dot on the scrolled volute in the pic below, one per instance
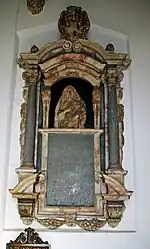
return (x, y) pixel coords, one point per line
(29, 236)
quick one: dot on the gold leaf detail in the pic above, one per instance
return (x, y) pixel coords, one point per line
(73, 23)
(70, 110)
(35, 6)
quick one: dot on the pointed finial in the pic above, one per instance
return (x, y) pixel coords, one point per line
(34, 49)
(110, 47)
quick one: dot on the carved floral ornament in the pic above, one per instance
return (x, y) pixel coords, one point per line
(73, 56)
(35, 6)
(73, 23)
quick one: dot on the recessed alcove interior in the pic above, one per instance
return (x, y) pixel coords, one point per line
(83, 88)
(40, 36)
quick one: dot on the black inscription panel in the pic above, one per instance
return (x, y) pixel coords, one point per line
(70, 177)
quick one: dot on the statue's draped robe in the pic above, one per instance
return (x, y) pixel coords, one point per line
(70, 110)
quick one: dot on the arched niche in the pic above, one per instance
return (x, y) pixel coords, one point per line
(84, 90)
(96, 147)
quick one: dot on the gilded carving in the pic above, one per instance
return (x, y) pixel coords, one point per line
(51, 223)
(23, 113)
(67, 46)
(35, 6)
(120, 112)
(30, 76)
(120, 109)
(111, 77)
(96, 94)
(25, 210)
(86, 224)
(77, 46)
(115, 213)
(91, 225)
(70, 110)
(46, 97)
(73, 23)
(72, 46)
(96, 106)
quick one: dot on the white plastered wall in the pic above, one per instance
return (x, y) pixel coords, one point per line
(124, 23)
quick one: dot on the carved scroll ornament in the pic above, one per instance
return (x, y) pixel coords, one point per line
(28, 239)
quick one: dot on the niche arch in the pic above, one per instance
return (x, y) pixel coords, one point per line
(72, 57)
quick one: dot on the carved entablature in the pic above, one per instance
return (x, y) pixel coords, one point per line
(72, 114)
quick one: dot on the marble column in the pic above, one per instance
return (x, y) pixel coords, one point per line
(113, 122)
(102, 126)
(31, 78)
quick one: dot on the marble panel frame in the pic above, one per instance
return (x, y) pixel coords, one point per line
(79, 58)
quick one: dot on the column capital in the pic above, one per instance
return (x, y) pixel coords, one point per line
(114, 77)
(31, 76)
(29, 62)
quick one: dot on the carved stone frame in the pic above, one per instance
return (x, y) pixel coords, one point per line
(79, 212)
(87, 60)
